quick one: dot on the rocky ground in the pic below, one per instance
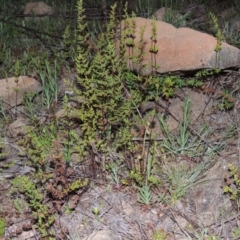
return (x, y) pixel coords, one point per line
(202, 212)
(109, 210)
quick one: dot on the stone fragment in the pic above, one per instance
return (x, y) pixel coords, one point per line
(37, 9)
(177, 105)
(16, 128)
(12, 89)
(159, 14)
(162, 13)
(103, 235)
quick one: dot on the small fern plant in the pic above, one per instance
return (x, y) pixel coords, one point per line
(41, 212)
(100, 85)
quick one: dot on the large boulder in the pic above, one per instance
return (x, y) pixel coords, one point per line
(179, 50)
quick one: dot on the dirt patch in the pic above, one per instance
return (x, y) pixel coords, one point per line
(111, 211)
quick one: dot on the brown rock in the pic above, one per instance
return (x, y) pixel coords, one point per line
(161, 14)
(103, 235)
(16, 128)
(60, 113)
(237, 23)
(13, 89)
(37, 9)
(179, 50)
(197, 107)
(27, 235)
(197, 10)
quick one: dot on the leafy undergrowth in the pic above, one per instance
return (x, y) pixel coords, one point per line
(112, 160)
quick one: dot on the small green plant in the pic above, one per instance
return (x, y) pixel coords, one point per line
(2, 226)
(44, 219)
(50, 86)
(183, 144)
(70, 142)
(19, 204)
(67, 210)
(38, 143)
(159, 235)
(204, 235)
(178, 178)
(233, 182)
(145, 8)
(225, 101)
(166, 86)
(236, 232)
(69, 42)
(173, 17)
(218, 32)
(112, 166)
(143, 169)
(145, 195)
(29, 105)
(5, 118)
(3, 151)
(145, 159)
(206, 73)
(154, 49)
(96, 211)
(219, 36)
(16, 89)
(169, 87)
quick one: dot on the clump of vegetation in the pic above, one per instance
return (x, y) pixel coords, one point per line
(2, 226)
(103, 107)
(54, 180)
(233, 182)
(40, 211)
(3, 150)
(226, 101)
(159, 235)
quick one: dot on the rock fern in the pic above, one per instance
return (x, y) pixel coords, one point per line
(103, 107)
